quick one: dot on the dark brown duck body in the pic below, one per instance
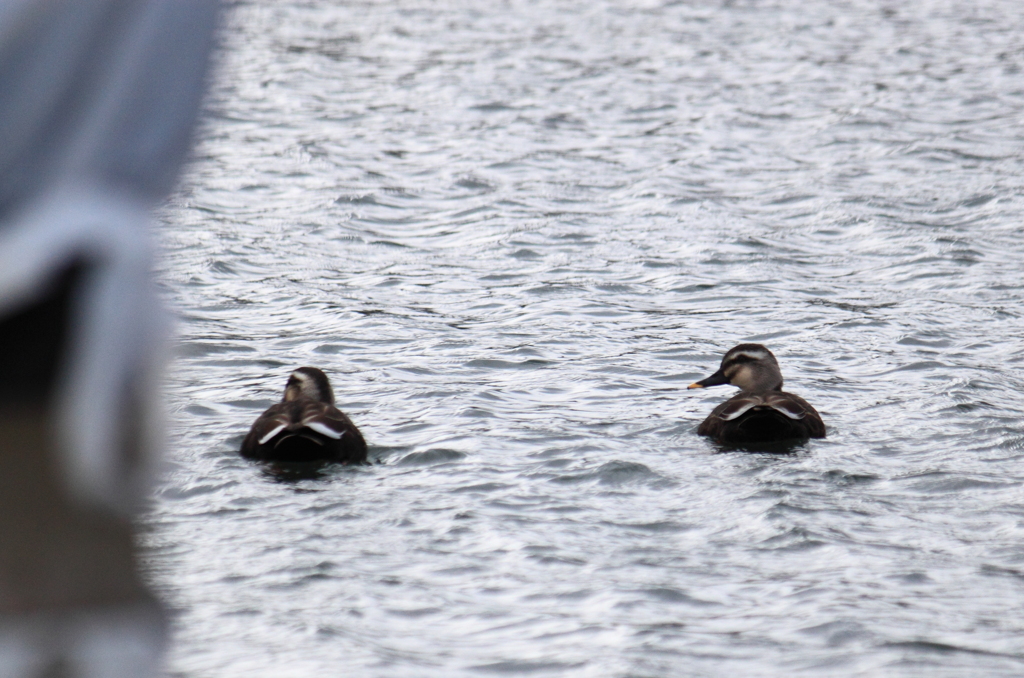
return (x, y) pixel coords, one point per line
(305, 426)
(761, 412)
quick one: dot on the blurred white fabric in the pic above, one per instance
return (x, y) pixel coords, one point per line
(98, 100)
(119, 325)
(101, 91)
(121, 643)
(97, 103)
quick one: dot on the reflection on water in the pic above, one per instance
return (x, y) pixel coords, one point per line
(512, 234)
(295, 471)
(782, 447)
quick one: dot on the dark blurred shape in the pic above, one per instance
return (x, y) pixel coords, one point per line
(98, 99)
(34, 337)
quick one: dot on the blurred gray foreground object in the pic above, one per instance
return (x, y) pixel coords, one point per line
(98, 99)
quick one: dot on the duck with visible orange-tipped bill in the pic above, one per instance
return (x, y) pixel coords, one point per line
(761, 412)
(305, 426)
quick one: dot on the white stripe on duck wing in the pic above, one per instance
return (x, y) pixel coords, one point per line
(762, 412)
(305, 426)
(787, 404)
(326, 420)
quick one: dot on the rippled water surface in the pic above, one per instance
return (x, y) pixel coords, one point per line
(512, 233)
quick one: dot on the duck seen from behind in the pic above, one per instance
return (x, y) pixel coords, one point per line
(305, 426)
(761, 412)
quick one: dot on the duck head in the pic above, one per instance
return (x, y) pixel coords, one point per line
(309, 382)
(751, 367)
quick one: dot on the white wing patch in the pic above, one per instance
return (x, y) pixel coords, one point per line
(324, 429)
(733, 412)
(780, 404)
(784, 407)
(273, 432)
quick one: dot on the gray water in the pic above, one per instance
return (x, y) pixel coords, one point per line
(512, 233)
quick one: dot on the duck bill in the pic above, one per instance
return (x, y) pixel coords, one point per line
(716, 379)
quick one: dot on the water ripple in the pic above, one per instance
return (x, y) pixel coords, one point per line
(512, 233)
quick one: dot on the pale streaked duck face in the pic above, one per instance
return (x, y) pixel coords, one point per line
(751, 367)
(761, 412)
(311, 383)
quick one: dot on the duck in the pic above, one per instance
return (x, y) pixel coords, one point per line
(305, 426)
(761, 412)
